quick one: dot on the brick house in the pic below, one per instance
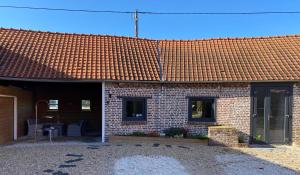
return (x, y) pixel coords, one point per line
(146, 85)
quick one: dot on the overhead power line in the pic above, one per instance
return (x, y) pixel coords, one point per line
(151, 13)
(64, 9)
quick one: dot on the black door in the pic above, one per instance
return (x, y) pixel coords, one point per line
(271, 114)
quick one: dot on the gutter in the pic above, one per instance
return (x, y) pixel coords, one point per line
(76, 80)
(161, 81)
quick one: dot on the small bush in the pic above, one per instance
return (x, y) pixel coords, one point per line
(241, 139)
(176, 132)
(200, 137)
(153, 134)
(138, 134)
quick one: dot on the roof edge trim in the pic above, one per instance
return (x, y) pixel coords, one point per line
(141, 81)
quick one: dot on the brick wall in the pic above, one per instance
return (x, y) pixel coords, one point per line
(296, 115)
(234, 109)
(25, 105)
(114, 124)
(168, 106)
(222, 136)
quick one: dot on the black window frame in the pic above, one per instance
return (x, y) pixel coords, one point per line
(124, 107)
(213, 112)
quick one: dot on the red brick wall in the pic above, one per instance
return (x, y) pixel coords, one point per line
(168, 106)
(114, 124)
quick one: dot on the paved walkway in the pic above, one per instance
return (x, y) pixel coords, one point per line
(139, 158)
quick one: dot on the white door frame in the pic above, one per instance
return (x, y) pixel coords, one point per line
(103, 112)
(15, 114)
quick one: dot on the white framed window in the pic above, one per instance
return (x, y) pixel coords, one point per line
(85, 105)
(53, 104)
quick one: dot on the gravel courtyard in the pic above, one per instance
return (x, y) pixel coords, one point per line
(145, 158)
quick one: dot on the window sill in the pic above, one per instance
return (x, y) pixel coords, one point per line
(202, 123)
(134, 122)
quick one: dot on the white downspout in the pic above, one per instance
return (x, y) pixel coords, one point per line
(103, 113)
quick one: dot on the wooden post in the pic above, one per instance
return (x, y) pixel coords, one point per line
(136, 23)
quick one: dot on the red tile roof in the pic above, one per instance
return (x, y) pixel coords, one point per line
(45, 55)
(232, 59)
(39, 55)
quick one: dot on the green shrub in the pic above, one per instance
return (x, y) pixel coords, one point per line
(176, 132)
(138, 134)
(200, 137)
(241, 139)
(258, 137)
(153, 134)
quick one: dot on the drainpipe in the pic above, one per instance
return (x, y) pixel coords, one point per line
(161, 93)
(159, 109)
(161, 105)
(103, 113)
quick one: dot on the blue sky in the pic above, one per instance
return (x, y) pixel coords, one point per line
(157, 26)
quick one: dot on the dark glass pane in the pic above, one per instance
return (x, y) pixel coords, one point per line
(201, 109)
(135, 108)
(260, 111)
(277, 113)
(271, 123)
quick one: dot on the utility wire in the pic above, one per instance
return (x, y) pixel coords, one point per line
(222, 13)
(63, 9)
(151, 13)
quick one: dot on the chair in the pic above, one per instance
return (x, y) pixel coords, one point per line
(31, 128)
(75, 129)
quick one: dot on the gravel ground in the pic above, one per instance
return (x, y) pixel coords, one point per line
(239, 164)
(148, 165)
(286, 156)
(130, 158)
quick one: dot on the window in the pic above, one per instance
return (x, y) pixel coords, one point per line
(202, 109)
(53, 104)
(85, 105)
(134, 109)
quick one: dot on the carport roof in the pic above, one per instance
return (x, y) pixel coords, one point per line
(36, 55)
